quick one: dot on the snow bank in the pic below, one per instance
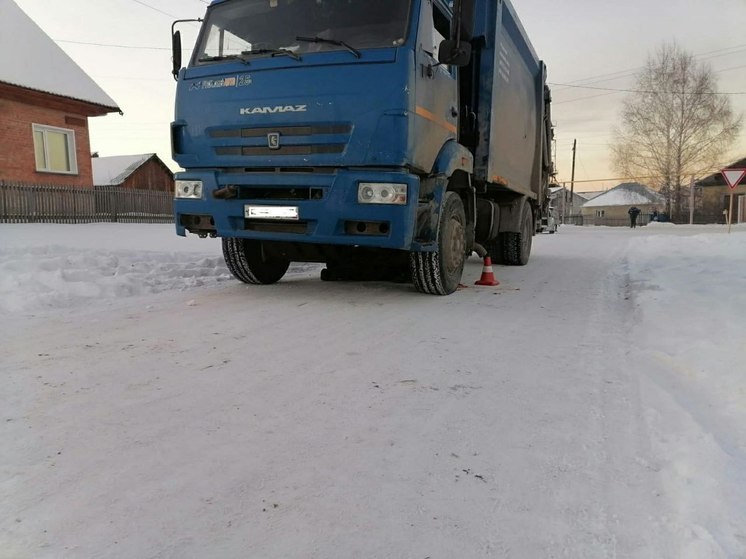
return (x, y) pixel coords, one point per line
(690, 331)
(47, 266)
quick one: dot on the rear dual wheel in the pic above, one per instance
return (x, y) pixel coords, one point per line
(516, 247)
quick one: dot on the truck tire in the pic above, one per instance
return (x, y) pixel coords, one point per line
(248, 262)
(495, 249)
(517, 246)
(439, 273)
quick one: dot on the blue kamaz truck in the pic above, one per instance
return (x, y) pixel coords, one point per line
(387, 139)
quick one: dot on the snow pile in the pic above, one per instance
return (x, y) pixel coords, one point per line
(690, 292)
(45, 266)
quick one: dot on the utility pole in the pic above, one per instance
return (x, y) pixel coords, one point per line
(564, 202)
(691, 201)
(572, 178)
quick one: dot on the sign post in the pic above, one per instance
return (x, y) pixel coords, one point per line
(732, 177)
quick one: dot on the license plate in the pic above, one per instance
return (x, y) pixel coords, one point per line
(271, 212)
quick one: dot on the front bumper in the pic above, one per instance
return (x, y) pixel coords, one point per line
(328, 209)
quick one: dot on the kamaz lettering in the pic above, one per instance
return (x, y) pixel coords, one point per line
(273, 110)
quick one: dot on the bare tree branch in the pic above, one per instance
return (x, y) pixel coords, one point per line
(675, 126)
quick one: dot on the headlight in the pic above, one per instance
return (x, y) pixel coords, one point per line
(189, 189)
(382, 193)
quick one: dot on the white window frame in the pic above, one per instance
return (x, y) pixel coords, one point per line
(71, 149)
(600, 213)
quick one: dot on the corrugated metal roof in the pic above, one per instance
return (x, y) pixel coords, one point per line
(30, 58)
(113, 171)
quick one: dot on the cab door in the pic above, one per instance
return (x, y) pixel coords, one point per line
(436, 96)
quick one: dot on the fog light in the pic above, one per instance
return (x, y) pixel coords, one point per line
(188, 189)
(382, 193)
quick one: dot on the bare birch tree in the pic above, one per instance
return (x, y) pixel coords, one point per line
(674, 126)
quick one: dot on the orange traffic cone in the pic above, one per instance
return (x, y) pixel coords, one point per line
(488, 276)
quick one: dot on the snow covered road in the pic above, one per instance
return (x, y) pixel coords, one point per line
(592, 405)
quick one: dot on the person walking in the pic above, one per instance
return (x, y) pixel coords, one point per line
(633, 212)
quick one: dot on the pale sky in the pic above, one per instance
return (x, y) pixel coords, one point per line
(596, 43)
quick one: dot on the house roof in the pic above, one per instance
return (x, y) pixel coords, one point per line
(716, 179)
(29, 58)
(590, 195)
(113, 171)
(626, 194)
(585, 195)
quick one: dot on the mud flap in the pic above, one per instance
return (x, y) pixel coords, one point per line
(432, 191)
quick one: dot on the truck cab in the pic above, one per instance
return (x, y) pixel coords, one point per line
(336, 131)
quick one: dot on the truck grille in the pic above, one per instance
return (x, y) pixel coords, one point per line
(282, 140)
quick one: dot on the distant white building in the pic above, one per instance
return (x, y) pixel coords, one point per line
(612, 207)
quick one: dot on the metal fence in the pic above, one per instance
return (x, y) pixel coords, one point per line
(642, 220)
(30, 203)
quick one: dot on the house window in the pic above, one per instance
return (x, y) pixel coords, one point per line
(600, 213)
(55, 150)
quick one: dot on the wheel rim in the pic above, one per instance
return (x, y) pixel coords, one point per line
(526, 236)
(454, 247)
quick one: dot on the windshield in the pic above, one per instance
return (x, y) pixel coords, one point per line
(240, 28)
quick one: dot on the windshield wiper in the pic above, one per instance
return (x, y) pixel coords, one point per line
(273, 52)
(317, 39)
(240, 57)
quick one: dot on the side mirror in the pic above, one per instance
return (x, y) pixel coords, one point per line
(454, 53)
(176, 49)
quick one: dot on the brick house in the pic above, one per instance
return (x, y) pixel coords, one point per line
(141, 172)
(714, 197)
(45, 102)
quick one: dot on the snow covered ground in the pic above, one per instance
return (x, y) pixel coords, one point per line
(592, 405)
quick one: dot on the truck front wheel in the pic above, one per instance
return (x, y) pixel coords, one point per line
(439, 273)
(249, 262)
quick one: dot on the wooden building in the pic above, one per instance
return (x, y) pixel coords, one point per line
(714, 196)
(141, 172)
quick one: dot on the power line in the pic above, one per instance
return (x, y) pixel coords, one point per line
(112, 45)
(172, 16)
(583, 98)
(626, 73)
(615, 90)
(709, 172)
(631, 71)
(155, 9)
